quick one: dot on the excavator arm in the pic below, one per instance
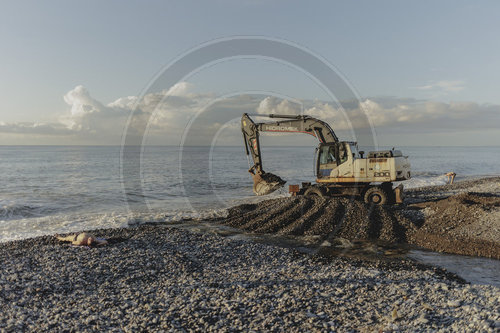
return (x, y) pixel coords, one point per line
(265, 183)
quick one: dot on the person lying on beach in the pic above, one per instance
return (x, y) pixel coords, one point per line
(83, 238)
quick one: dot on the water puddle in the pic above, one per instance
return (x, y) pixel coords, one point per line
(475, 270)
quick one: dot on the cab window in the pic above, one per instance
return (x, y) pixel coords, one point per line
(342, 154)
(327, 155)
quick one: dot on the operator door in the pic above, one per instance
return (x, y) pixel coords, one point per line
(334, 158)
(345, 159)
(326, 160)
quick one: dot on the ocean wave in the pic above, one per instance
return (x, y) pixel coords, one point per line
(419, 174)
(419, 181)
(32, 226)
(9, 211)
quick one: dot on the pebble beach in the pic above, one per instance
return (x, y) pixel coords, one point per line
(159, 278)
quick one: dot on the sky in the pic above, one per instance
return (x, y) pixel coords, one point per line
(426, 72)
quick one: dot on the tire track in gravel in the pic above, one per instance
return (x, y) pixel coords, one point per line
(303, 205)
(243, 213)
(268, 215)
(299, 226)
(386, 230)
(384, 224)
(374, 227)
(327, 217)
(356, 222)
(331, 221)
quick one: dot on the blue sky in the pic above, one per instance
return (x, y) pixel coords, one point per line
(438, 51)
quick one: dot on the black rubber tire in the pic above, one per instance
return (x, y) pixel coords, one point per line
(387, 187)
(375, 195)
(314, 191)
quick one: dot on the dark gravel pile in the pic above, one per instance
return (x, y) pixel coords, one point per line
(327, 217)
(156, 278)
(444, 218)
(432, 193)
(468, 223)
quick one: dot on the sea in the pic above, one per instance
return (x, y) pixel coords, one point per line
(61, 189)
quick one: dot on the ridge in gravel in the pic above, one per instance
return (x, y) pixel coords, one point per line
(304, 215)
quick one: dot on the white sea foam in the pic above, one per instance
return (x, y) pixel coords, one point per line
(425, 181)
(66, 223)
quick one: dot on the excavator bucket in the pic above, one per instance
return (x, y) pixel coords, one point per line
(266, 183)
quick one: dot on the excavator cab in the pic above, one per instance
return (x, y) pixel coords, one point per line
(333, 156)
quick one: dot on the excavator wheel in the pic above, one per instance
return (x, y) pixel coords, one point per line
(376, 195)
(314, 191)
(391, 197)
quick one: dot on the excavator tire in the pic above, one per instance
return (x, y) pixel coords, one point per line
(391, 196)
(314, 191)
(376, 195)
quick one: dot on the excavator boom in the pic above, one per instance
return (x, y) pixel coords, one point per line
(265, 183)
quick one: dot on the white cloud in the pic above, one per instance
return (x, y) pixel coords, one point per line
(124, 102)
(35, 128)
(181, 89)
(276, 105)
(80, 101)
(165, 108)
(168, 112)
(450, 86)
(393, 112)
(90, 121)
(429, 114)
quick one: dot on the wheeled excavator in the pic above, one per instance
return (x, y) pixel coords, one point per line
(341, 169)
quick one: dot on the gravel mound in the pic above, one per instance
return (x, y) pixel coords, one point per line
(326, 217)
(444, 218)
(157, 278)
(431, 193)
(468, 223)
